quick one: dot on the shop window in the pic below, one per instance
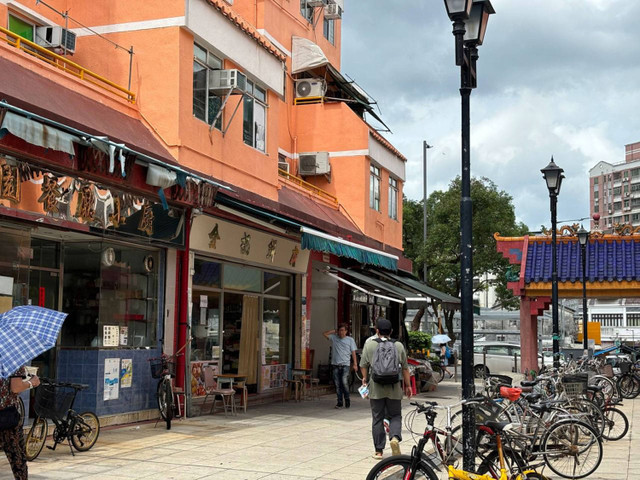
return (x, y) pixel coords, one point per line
(277, 284)
(21, 27)
(206, 273)
(329, 30)
(15, 256)
(255, 117)
(206, 105)
(306, 11)
(276, 332)
(241, 278)
(111, 294)
(45, 253)
(205, 326)
(374, 187)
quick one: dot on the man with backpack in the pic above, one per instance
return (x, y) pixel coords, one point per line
(384, 366)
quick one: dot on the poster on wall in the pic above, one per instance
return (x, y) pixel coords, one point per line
(126, 372)
(124, 335)
(111, 378)
(273, 376)
(110, 335)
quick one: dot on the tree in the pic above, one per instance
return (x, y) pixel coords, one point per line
(493, 211)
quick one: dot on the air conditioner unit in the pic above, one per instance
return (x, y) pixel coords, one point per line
(56, 37)
(221, 81)
(310, 87)
(314, 163)
(332, 12)
(316, 3)
(626, 194)
(283, 166)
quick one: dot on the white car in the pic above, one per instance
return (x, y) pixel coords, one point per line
(500, 358)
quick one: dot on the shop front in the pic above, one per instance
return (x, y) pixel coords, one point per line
(100, 255)
(245, 290)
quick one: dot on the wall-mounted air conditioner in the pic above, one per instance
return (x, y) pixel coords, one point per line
(626, 194)
(314, 163)
(283, 166)
(56, 37)
(221, 81)
(316, 3)
(310, 87)
(333, 12)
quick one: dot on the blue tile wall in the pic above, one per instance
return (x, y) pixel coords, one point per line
(87, 367)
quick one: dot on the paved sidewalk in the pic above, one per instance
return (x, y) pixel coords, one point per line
(287, 441)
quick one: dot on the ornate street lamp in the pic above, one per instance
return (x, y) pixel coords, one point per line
(583, 238)
(469, 26)
(552, 174)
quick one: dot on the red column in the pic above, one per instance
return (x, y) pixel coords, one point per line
(182, 303)
(528, 335)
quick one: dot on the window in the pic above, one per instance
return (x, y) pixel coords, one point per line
(21, 27)
(374, 188)
(329, 30)
(635, 187)
(206, 105)
(393, 198)
(255, 116)
(617, 206)
(626, 219)
(595, 181)
(635, 172)
(626, 188)
(595, 195)
(596, 209)
(635, 217)
(626, 174)
(626, 204)
(617, 175)
(306, 11)
(617, 190)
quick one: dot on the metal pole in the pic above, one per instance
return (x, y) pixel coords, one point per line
(585, 336)
(554, 282)
(425, 146)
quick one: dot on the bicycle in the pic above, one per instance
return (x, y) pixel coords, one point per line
(164, 369)
(54, 400)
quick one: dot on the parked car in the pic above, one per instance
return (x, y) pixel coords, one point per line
(500, 358)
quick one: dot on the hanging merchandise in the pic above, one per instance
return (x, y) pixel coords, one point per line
(271, 249)
(244, 244)
(10, 183)
(213, 237)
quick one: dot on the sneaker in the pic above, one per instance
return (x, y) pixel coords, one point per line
(451, 375)
(338, 406)
(347, 403)
(385, 422)
(395, 446)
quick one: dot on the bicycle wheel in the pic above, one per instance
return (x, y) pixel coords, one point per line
(86, 428)
(628, 386)
(491, 463)
(20, 408)
(397, 467)
(438, 372)
(572, 449)
(165, 401)
(608, 386)
(616, 424)
(587, 411)
(35, 438)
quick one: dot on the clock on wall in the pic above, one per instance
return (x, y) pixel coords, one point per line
(108, 256)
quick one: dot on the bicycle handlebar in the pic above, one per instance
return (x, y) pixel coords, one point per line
(55, 383)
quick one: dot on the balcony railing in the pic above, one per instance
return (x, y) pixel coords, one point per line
(65, 64)
(307, 186)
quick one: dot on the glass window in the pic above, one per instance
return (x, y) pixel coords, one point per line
(21, 27)
(374, 187)
(617, 190)
(277, 284)
(241, 278)
(206, 273)
(276, 327)
(205, 326)
(113, 286)
(306, 11)
(393, 198)
(255, 117)
(596, 209)
(329, 30)
(46, 253)
(595, 181)
(497, 350)
(206, 105)
(596, 194)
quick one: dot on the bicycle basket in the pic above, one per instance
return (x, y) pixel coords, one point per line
(487, 412)
(157, 367)
(53, 401)
(607, 371)
(625, 367)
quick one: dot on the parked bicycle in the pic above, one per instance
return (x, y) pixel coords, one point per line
(54, 401)
(164, 369)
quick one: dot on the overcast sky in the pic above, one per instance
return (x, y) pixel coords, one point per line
(554, 78)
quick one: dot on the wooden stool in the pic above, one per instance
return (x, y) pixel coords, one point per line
(286, 389)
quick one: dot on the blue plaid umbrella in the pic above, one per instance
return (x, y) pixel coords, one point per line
(26, 332)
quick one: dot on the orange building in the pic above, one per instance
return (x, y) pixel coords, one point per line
(223, 147)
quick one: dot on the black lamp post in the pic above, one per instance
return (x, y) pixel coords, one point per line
(583, 238)
(469, 19)
(552, 174)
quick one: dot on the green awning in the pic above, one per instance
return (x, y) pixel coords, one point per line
(380, 285)
(450, 301)
(323, 242)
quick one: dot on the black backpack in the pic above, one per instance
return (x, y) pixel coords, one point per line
(385, 368)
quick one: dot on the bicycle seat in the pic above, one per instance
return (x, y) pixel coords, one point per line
(546, 406)
(594, 388)
(496, 426)
(529, 383)
(532, 397)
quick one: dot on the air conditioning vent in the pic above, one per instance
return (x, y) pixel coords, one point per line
(56, 38)
(314, 163)
(221, 81)
(283, 166)
(333, 12)
(310, 87)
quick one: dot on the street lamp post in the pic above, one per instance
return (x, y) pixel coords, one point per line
(469, 18)
(425, 147)
(583, 239)
(552, 174)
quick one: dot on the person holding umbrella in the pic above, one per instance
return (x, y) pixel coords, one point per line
(11, 435)
(25, 333)
(445, 351)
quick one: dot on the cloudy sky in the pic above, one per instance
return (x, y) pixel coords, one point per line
(554, 78)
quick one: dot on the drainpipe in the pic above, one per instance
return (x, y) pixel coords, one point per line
(182, 304)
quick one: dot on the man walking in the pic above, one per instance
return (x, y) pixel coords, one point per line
(343, 349)
(381, 367)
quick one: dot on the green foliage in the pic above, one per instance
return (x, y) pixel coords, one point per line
(419, 341)
(493, 211)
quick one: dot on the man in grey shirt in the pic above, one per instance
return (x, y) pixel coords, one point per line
(343, 349)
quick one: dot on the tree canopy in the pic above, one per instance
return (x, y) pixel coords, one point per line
(493, 211)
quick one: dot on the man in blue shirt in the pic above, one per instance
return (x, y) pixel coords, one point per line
(343, 349)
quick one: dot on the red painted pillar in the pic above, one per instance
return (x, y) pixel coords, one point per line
(182, 303)
(528, 335)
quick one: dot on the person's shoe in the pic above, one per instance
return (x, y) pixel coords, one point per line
(339, 405)
(451, 375)
(395, 446)
(377, 455)
(347, 403)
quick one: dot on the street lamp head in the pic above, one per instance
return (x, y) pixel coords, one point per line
(583, 236)
(553, 175)
(476, 24)
(458, 9)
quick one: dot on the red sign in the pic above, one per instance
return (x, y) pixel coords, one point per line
(41, 297)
